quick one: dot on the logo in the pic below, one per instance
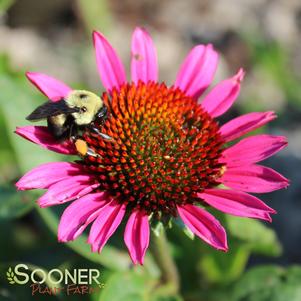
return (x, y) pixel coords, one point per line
(55, 281)
(10, 275)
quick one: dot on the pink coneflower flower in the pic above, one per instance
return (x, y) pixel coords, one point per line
(168, 155)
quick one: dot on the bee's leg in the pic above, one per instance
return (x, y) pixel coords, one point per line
(90, 152)
(102, 115)
(71, 134)
(105, 136)
(96, 130)
(76, 132)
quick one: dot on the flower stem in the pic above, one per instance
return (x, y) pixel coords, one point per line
(169, 273)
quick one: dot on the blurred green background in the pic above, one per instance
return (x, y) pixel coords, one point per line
(54, 37)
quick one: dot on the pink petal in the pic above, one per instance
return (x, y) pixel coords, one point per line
(253, 149)
(110, 68)
(67, 189)
(197, 70)
(41, 177)
(237, 203)
(144, 65)
(204, 225)
(79, 215)
(241, 125)
(136, 236)
(253, 178)
(49, 86)
(222, 96)
(109, 218)
(41, 136)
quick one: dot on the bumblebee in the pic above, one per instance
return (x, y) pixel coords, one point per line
(70, 115)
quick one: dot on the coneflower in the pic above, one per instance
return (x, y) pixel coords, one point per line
(168, 155)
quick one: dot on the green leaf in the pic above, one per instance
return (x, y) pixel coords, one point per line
(110, 257)
(268, 283)
(259, 237)
(134, 285)
(15, 93)
(189, 233)
(14, 204)
(294, 274)
(7, 156)
(223, 268)
(158, 228)
(166, 298)
(184, 228)
(126, 286)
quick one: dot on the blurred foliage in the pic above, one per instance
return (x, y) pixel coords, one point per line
(29, 232)
(14, 204)
(274, 58)
(5, 4)
(256, 235)
(269, 283)
(95, 14)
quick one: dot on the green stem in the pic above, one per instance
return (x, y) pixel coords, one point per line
(162, 255)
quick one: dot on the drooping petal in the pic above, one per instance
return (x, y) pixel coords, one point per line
(244, 124)
(79, 215)
(197, 70)
(237, 203)
(67, 189)
(41, 136)
(223, 95)
(110, 67)
(109, 218)
(253, 178)
(144, 64)
(45, 175)
(253, 149)
(136, 236)
(49, 86)
(204, 225)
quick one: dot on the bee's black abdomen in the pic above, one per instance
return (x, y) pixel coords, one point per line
(59, 132)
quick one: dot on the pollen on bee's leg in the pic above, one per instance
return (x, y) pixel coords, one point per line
(164, 149)
(81, 146)
(83, 149)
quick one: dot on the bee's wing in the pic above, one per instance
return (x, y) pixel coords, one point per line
(49, 109)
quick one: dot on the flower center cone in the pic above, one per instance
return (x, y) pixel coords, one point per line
(164, 148)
